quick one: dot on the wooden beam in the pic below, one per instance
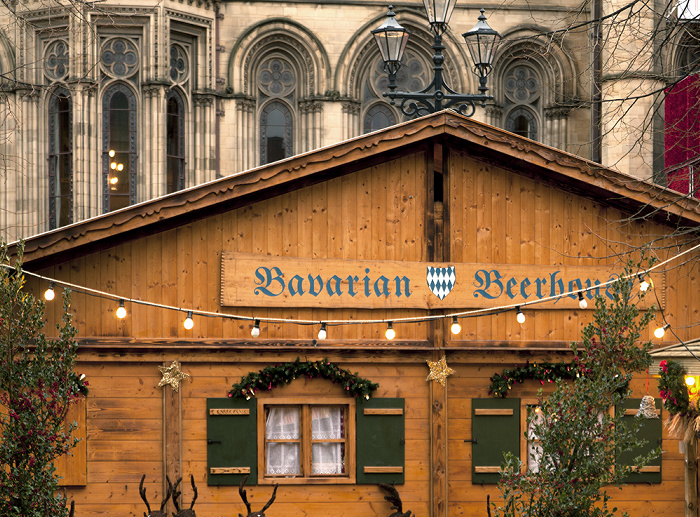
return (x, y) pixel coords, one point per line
(172, 437)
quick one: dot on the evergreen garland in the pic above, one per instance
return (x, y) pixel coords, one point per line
(271, 377)
(501, 383)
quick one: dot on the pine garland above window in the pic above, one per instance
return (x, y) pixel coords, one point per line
(549, 372)
(271, 377)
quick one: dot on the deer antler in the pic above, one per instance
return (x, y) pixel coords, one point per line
(242, 493)
(272, 500)
(175, 493)
(395, 500)
(142, 493)
(194, 489)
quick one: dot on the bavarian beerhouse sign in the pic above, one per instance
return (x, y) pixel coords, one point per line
(252, 280)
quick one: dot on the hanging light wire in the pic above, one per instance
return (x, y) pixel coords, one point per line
(411, 319)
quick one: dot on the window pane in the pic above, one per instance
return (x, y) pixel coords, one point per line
(327, 423)
(328, 458)
(534, 451)
(522, 126)
(282, 423)
(283, 458)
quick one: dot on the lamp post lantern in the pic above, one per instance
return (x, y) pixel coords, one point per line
(482, 42)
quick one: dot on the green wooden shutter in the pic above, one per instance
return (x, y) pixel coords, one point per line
(651, 432)
(380, 445)
(495, 430)
(232, 441)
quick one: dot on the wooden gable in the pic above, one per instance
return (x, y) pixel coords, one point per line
(438, 190)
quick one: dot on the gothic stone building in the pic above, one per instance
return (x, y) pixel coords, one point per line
(108, 104)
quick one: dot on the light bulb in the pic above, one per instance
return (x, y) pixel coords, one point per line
(659, 332)
(520, 316)
(121, 311)
(456, 328)
(49, 294)
(582, 303)
(120, 167)
(255, 332)
(643, 284)
(390, 332)
(113, 165)
(111, 153)
(689, 380)
(322, 333)
(189, 323)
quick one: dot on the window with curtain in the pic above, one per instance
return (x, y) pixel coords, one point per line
(119, 147)
(60, 159)
(175, 144)
(534, 451)
(305, 441)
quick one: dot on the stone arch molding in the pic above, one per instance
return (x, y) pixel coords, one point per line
(361, 51)
(552, 62)
(286, 38)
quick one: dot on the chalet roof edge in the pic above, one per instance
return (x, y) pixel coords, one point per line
(242, 185)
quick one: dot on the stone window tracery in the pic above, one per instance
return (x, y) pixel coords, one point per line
(56, 61)
(179, 64)
(276, 78)
(119, 58)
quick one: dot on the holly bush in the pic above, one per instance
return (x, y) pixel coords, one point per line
(37, 387)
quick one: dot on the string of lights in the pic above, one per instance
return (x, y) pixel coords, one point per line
(121, 312)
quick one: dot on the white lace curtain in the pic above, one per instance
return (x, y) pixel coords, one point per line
(284, 458)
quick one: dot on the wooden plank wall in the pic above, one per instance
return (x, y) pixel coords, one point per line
(493, 216)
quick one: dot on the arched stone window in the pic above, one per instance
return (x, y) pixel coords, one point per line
(60, 158)
(119, 147)
(175, 142)
(522, 88)
(277, 83)
(275, 132)
(378, 117)
(522, 121)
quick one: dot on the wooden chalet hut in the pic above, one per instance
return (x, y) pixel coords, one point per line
(436, 216)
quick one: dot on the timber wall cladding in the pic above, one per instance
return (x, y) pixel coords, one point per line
(469, 499)
(375, 214)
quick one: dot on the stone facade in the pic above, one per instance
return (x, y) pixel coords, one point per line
(109, 104)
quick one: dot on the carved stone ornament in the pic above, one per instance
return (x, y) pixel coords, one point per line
(172, 375)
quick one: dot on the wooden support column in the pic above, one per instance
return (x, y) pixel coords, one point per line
(172, 437)
(691, 477)
(438, 252)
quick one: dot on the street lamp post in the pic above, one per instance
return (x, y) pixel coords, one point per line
(482, 42)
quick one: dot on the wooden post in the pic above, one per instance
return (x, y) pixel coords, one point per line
(438, 393)
(691, 477)
(172, 438)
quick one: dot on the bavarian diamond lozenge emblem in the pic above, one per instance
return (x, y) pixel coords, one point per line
(441, 280)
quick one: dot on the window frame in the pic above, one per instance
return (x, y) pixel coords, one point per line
(131, 152)
(306, 442)
(56, 156)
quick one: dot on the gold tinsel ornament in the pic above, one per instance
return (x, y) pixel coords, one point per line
(172, 375)
(439, 370)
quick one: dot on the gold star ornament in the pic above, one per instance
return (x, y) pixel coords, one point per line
(439, 370)
(172, 375)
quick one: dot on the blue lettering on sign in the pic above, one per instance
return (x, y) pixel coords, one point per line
(264, 279)
(485, 279)
(490, 284)
(270, 282)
